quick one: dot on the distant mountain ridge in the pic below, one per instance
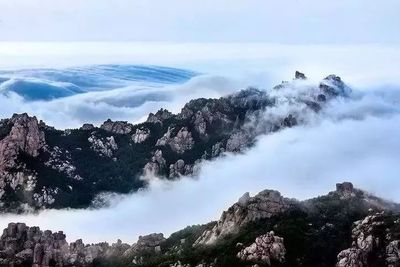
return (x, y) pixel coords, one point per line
(42, 167)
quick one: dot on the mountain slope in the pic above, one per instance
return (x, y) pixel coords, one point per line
(42, 167)
(347, 227)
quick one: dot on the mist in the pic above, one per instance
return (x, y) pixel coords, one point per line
(226, 67)
(353, 139)
(130, 103)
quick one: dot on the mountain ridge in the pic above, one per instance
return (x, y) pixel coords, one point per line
(69, 168)
(266, 229)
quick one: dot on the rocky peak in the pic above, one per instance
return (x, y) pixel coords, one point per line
(373, 244)
(333, 85)
(21, 245)
(345, 190)
(250, 98)
(147, 244)
(160, 116)
(24, 135)
(263, 205)
(151, 240)
(140, 135)
(265, 249)
(181, 142)
(87, 127)
(299, 75)
(118, 127)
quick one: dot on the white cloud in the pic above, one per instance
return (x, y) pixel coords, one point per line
(254, 64)
(131, 103)
(355, 141)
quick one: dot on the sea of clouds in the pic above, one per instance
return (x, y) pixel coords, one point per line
(353, 139)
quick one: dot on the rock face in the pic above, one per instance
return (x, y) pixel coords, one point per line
(103, 146)
(118, 127)
(345, 190)
(156, 164)
(149, 244)
(20, 245)
(268, 230)
(373, 245)
(23, 136)
(140, 135)
(300, 76)
(43, 167)
(265, 249)
(180, 143)
(264, 205)
(393, 253)
(333, 85)
(160, 116)
(87, 127)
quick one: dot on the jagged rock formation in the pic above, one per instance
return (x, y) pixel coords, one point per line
(24, 135)
(42, 167)
(149, 244)
(180, 143)
(156, 164)
(118, 127)
(87, 127)
(20, 134)
(140, 135)
(299, 76)
(160, 116)
(266, 248)
(263, 205)
(103, 146)
(262, 230)
(375, 243)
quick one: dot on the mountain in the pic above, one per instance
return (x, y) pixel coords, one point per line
(347, 227)
(42, 167)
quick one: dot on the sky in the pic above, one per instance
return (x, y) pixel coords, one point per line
(283, 21)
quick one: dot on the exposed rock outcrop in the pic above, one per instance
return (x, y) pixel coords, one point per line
(238, 141)
(333, 86)
(203, 130)
(23, 136)
(160, 116)
(263, 205)
(118, 127)
(373, 245)
(140, 135)
(148, 244)
(180, 143)
(299, 76)
(298, 233)
(103, 146)
(156, 164)
(265, 249)
(87, 127)
(60, 160)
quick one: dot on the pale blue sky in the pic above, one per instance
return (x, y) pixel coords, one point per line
(277, 21)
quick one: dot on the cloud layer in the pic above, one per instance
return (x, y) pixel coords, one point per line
(351, 140)
(130, 103)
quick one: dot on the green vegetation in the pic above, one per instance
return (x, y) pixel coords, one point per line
(313, 236)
